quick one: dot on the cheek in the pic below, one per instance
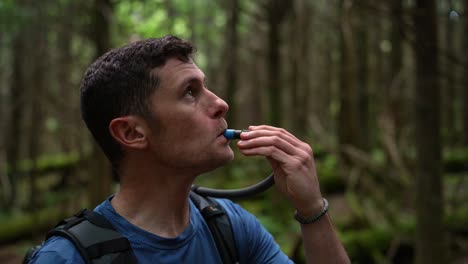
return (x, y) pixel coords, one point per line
(180, 125)
(180, 130)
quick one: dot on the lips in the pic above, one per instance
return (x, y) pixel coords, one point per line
(222, 131)
(222, 127)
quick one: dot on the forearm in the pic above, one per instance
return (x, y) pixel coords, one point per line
(293, 165)
(321, 243)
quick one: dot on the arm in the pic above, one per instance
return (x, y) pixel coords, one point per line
(295, 176)
(254, 243)
(57, 250)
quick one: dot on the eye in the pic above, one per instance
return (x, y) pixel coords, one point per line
(189, 92)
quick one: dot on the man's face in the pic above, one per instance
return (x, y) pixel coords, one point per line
(188, 126)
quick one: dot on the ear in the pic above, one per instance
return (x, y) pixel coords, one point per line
(129, 131)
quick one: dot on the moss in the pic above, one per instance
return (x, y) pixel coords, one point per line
(47, 162)
(26, 225)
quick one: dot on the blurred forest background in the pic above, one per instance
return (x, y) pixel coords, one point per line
(377, 88)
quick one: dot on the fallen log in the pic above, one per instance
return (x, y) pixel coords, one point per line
(29, 225)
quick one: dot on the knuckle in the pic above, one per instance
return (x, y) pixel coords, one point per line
(308, 149)
(276, 139)
(297, 163)
(282, 130)
(271, 150)
(303, 160)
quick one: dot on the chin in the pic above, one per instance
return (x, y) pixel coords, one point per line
(224, 158)
(220, 160)
(229, 155)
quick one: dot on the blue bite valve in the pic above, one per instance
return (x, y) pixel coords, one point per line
(233, 133)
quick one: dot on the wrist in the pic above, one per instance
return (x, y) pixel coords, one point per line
(312, 207)
(314, 216)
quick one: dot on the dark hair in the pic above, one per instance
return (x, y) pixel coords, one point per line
(120, 83)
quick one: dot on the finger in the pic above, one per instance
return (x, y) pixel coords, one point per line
(258, 131)
(282, 163)
(273, 140)
(271, 152)
(278, 154)
(272, 128)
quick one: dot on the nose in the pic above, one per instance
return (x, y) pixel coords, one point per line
(219, 107)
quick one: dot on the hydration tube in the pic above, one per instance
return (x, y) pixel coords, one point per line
(236, 193)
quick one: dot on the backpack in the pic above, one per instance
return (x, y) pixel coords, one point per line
(98, 242)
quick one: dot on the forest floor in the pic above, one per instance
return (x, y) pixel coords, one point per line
(14, 253)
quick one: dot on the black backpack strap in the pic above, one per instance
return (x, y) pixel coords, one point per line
(95, 238)
(220, 227)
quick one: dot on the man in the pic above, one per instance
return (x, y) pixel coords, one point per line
(149, 109)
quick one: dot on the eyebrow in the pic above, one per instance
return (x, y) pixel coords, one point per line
(191, 79)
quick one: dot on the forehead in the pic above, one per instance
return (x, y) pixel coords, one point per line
(176, 72)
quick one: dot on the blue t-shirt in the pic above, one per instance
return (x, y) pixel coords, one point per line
(194, 245)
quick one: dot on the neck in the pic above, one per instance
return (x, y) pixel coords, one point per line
(154, 199)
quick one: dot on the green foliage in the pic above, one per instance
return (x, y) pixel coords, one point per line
(450, 154)
(144, 19)
(373, 240)
(25, 224)
(378, 156)
(12, 16)
(149, 19)
(48, 162)
(154, 18)
(327, 171)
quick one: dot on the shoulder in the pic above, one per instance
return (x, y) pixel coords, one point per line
(57, 250)
(241, 220)
(240, 217)
(231, 208)
(254, 242)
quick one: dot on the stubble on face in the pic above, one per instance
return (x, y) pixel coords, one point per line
(183, 135)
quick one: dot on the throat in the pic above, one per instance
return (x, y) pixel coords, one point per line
(160, 214)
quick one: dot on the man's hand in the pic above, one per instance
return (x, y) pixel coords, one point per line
(295, 176)
(292, 162)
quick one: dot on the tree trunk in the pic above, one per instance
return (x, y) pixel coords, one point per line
(16, 114)
(430, 245)
(300, 67)
(65, 101)
(464, 91)
(396, 98)
(36, 92)
(171, 14)
(100, 177)
(4, 181)
(450, 84)
(348, 117)
(276, 12)
(256, 106)
(362, 80)
(232, 47)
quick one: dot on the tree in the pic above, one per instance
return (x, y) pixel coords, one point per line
(465, 90)
(396, 100)
(300, 66)
(430, 245)
(36, 92)
(450, 73)
(232, 47)
(100, 178)
(16, 115)
(276, 13)
(348, 117)
(362, 77)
